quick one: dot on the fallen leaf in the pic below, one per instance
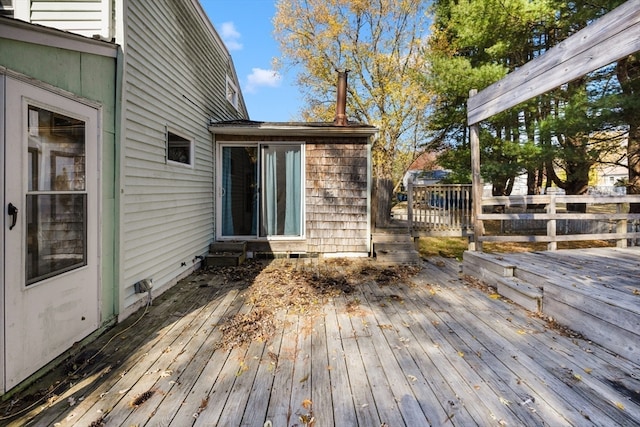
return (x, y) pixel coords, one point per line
(306, 404)
(588, 370)
(412, 378)
(461, 353)
(577, 376)
(620, 406)
(305, 378)
(494, 296)
(505, 401)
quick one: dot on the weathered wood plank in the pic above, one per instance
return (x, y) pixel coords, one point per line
(240, 392)
(432, 351)
(411, 359)
(198, 395)
(161, 317)
(302, 383)
(460, 353)
(116, 401)
(402, 394)
(279, 411)
(344, 410)
(614, 36)
(322, 387)
(258, 402)
(616, 339)
(361, 390)
(544, 388)
(177, 387)
(221, 384)
(183, 359)
(446, 360)
(560, 238)
(383, 397)
(541, 363)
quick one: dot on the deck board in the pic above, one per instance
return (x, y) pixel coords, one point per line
(433, 350)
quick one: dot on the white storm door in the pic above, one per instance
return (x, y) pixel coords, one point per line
(51, 228)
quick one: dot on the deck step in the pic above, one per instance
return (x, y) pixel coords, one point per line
(502, 275)
(391, 235)
(396, 253)
(591, 298)
(226, 253)
(597, 312)
(491, 263)
(522, 293)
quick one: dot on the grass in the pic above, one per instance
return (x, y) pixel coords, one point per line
(453, 247)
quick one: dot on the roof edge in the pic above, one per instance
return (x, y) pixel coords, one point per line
(255, 128)
(15, 29)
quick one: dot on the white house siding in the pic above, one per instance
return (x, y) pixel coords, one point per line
(88, 17)
(175, 76)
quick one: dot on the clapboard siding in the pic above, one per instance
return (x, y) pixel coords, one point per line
(81, 17)
(175, 77)
(337, 197)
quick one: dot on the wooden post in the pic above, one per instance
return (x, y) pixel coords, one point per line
(410, 204)
(551, 224)
(621, 227)
(476, 183)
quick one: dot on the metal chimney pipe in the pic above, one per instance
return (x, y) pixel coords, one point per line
(341, 102)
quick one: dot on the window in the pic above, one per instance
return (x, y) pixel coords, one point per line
(262, 192)
(56, 195)
(232, 93)
(6, 8)
(179, 149)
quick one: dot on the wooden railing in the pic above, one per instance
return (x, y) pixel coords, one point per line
(439, 210)
(552, 209)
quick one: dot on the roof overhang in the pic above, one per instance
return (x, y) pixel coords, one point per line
(14, 29)
(250, 128)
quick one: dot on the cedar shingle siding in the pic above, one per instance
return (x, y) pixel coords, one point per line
(337, 197)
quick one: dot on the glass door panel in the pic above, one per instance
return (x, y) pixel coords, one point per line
(239, 190)
(282, 190)
(56, 199)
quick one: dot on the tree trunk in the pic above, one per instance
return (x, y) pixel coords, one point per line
(628, 72)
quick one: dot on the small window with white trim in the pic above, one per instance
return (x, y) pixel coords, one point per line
(179, 149)
(232, 93)
(6, 8)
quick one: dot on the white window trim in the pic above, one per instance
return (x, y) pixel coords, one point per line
(258, 145)
(192, 151)
(234, 99)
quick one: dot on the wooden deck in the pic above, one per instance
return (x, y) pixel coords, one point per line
(432, 350)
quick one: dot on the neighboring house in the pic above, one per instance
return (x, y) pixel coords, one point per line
(426, 161)
(131, 185)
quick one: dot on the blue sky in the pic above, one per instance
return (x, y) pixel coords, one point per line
(246, 28)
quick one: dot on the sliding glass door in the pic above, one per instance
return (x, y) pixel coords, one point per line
(282, 190)
(261, 190)
(239, 191)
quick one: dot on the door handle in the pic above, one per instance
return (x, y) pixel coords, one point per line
(13, 212)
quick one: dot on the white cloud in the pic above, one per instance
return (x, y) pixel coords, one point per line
(230, 36)
(260, 77)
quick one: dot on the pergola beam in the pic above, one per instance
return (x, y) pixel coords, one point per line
(614, 36)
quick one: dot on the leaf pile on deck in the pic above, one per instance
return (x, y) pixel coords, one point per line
(299, 288)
